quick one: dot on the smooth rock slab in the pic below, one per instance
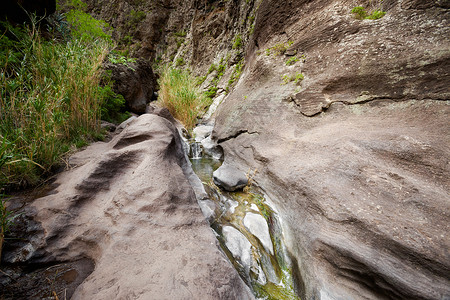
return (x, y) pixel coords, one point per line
(229, 178)
(238, 245)
(257, 225)
(128, 207)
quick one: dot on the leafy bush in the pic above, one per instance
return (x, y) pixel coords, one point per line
(117, 58)
(85, 27)
(180, 94)
(376, 14)
(360, 12)
(112, 106)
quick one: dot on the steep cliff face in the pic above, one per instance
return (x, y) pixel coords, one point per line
(346, 121)
(352, 141)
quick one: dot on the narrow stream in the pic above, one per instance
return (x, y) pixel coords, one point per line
(249, 232)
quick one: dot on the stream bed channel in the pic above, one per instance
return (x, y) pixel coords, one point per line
(249, 232)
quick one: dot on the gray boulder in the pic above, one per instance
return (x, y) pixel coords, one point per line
(136, 82)
(230, 178)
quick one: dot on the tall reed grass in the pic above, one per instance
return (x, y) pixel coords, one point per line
(50, 99)
(180, 94)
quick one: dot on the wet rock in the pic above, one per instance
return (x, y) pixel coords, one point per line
(201, 132)
(257, 225)
(239, 246)
(211, 148)
(230, 178)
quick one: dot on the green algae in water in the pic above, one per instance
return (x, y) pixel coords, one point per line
(231, 209)
(204, 167)
(276, 261)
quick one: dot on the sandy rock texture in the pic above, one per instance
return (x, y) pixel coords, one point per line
(355, 155)
(128, 207)
(345, 121)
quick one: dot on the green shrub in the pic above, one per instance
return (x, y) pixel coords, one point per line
(212, 68)
(291, 61)
(180, 62)
(235, 75)
(136, 16)
(296, 78)
(237, 42)
(376, 14)
(117, 58)
(360, 12)
(85, 27)
(180, 94)
(113, 105)
(180, 34)
(279, 49)
(211, 92)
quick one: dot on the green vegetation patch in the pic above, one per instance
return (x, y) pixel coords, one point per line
(360, 13)
(292, 61)
(296, 78)
(180, 94)
(6, 219)
(237, 42)
(279, 49)
(212, 90)
(235, 75)
(51, 97)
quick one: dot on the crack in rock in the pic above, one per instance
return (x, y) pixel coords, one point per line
(230, 137)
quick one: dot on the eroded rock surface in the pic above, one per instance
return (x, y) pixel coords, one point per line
(355, 155)
(128, 207)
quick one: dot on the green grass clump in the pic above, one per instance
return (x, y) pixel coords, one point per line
(279, 49)
(360, 13)
(237, 42)
(180, 34)
(6, 219)
(291, 61)
(235, 75)
(296, 78)
(180, 94)
(180, 62)
(376, 14)
(50, 98)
